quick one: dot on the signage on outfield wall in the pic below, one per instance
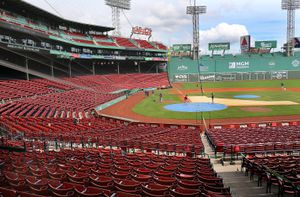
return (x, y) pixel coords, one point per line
(182, 68)
(245, 42)
(182, 48)
(296, 63)
(203, 68)
(272, 63)
(181, 78)
(207, 77)
(271, 44)
(219, 46)
(239, 65)
(280, 75)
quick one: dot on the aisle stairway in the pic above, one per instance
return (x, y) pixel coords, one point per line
(240, 185)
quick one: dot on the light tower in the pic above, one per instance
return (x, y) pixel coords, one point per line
(291, 6)
(116, 7)
(195, 11)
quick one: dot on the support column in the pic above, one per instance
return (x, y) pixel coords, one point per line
(52, 69)
(27, 69)
(70, 68)
(118, 68)
(94, 72)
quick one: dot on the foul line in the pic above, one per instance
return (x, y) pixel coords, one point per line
(181, 93)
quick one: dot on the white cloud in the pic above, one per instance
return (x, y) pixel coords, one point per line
(223, 32)
(161, 16)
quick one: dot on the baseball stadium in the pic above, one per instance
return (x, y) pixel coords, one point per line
(87, 112)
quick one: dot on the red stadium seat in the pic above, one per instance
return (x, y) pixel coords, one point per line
(60, 188)
(4, 192)
(182, 192)
(152, 189)
(127, 186)
(91, 191)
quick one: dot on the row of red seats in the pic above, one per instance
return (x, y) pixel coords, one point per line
(117, 135)
(145, 44)
(125, 42)
(131, 81)
(53, 128)
(47, 100)
(13, 89)
(276, 170)
(64, 104)
(113, 82)
(102, 170)
(161, 46)
(264, 139)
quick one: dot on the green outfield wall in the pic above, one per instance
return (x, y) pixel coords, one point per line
(239, 67)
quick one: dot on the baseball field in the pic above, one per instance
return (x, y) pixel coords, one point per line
(273, 102)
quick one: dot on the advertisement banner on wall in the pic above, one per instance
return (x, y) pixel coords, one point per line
(179, 50)
(219, 46)
(181, 78)
(279, 75)
(239, 65)
(245, 42)
(271, 44)
(182, 47)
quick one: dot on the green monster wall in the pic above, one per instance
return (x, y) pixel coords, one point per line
(240, 67)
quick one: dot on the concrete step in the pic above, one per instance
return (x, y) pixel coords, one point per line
(240, 185)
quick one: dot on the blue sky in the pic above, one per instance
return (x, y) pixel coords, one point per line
(226, 20)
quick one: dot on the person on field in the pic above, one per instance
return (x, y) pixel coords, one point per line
(283, 88)
(160, 97)
(212, 98)
(186, 98)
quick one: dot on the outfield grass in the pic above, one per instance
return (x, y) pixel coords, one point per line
(151, 107)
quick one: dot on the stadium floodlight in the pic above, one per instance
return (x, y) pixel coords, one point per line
(195, 11)
(291, 6)
(122, 4)
(117, 6)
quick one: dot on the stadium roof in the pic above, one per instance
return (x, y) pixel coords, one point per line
(28, 10)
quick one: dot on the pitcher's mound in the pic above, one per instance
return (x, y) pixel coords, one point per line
(256, 109)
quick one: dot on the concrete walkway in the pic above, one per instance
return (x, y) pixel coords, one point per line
(240, 185)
